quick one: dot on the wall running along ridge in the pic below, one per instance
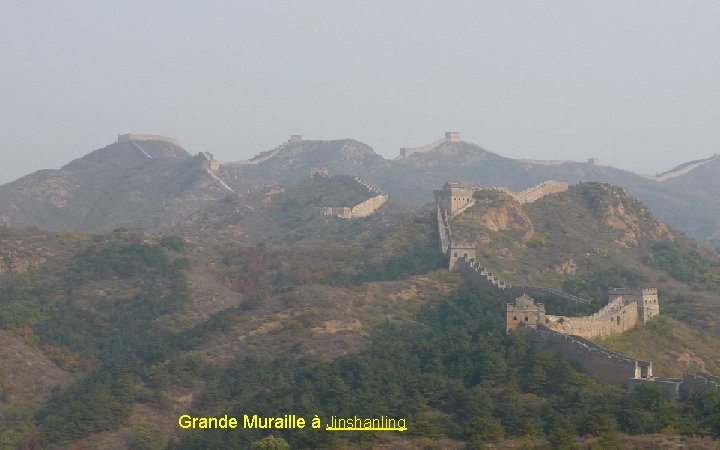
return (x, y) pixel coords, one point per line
(450, 136)
(564, 335)
(294, 139)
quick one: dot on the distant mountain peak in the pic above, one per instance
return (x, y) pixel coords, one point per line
(130, 137)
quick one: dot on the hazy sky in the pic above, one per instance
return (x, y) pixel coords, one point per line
(636, 84)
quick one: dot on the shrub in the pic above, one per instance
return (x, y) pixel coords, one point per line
(173, 243)
(538, 240)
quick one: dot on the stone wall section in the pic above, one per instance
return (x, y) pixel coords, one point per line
(450, 137)
(444, 231)
(363, 209)
(454, 199)
(476, 274)
(618, 316)
(369, 206)
(537, 192)
(614, 318)
(294, 139)
(408, 151)
(692, 382)
(600, 363)
(567, 336)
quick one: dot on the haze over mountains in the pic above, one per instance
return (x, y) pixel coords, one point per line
(158, 185)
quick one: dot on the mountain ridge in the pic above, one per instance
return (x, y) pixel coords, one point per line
(156, 183)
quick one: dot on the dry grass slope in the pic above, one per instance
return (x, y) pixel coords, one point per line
(672, 346)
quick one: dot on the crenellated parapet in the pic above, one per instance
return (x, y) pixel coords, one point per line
(372, 189)
(619, 315)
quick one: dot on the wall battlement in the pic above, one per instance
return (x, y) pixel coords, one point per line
(619, 315)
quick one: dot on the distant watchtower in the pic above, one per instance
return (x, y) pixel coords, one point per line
(646, 298)
(452, 136)
(454, 198)
(461, 251)
(524, 310)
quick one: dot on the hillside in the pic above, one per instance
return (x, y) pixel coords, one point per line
(291, 161)
(672, 346)
(563, 232)
(690, 202)
(120, 186)
(292, 214)
(588, 238)
(90, 304)
(354, 317)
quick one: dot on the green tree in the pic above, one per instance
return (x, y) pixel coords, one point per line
(271, 443)
(172, 242)
(147, 437)
(485, 429)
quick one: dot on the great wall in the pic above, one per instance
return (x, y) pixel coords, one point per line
(565, 336)
(208, 163)
(682, 170)
(450, 136)
(211, 166)
(262, 157)
(363, 209)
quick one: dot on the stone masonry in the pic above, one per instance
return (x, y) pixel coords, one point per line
(621, 313)
(363, 209)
